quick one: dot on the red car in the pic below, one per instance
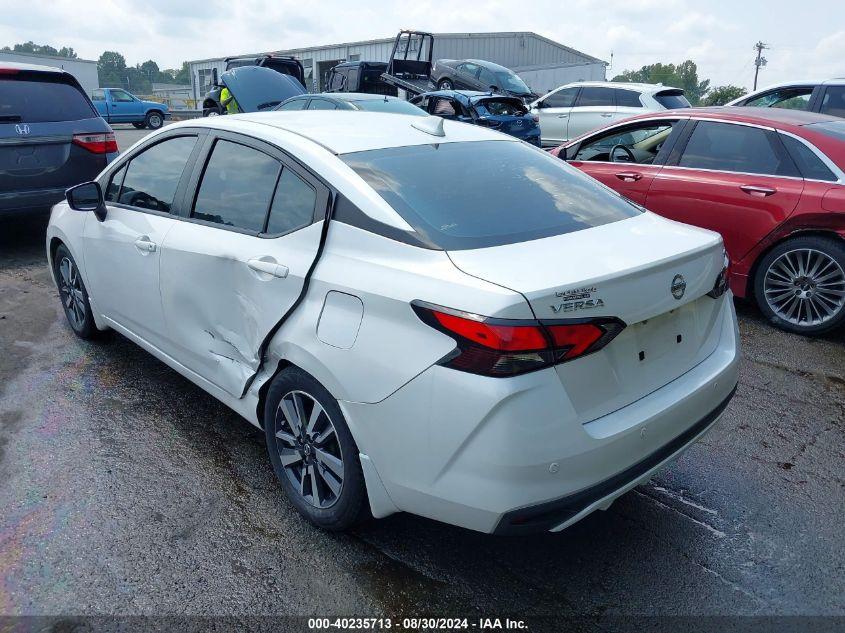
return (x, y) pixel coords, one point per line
(771, 181)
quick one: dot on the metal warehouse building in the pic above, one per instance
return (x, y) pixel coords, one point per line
(85, 70)
(542, 63)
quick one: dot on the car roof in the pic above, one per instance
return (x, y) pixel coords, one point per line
(775, 117)
(352, 96)
(32, 68)
(469, 95)
(345, 131)
(641, 87)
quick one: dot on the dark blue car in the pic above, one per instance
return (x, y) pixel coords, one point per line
(499, 112)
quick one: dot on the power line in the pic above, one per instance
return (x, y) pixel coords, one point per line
(760, 61)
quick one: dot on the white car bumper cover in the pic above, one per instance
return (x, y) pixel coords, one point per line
(509, 456)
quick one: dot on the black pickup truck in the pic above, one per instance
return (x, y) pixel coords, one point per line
(284, 65)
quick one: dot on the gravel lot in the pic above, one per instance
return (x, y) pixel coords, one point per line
(127, 490)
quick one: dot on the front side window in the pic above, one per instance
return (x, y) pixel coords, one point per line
(787, 98)
(638, 144)
(153, 176)
(834, 101)
(236, 187)
(736, 148)
(510, 81)
(488, 193)
(595, 96)
(293, 204)
(561, 99)
(120, 95)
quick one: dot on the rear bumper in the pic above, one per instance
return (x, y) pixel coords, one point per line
(37, 199)
(483, 452)
(560, 513)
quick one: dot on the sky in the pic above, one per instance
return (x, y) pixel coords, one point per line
(807, 38)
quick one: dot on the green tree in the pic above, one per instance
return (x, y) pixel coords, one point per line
(720, 95)
(32, 48)
(684, 75)
(111, 69)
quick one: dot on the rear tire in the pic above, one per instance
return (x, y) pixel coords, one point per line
(800, 285)
(313, 453)
(212, 111)
(154, 120)
(73, 294)
(444, 84)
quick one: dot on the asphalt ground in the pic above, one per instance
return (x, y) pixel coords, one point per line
(126, 490)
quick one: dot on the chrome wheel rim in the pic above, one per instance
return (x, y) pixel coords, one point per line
(309, 449)
(72, 294)
(805, 287)
(155, 121)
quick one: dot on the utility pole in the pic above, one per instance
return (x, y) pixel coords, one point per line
(760, 61)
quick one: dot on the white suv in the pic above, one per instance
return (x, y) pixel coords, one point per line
(574, 109)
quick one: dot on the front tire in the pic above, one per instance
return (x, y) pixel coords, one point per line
(212, 111)
(154, 120)
(800, 285)
(312, 451)
(73, 294)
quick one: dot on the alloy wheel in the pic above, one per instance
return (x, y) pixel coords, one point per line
(805, 287)
(309, 450)
(70, 289)
(155, 121)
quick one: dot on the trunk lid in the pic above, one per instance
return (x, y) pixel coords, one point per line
(259, 89)
(626, 269)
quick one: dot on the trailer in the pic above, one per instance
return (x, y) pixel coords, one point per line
(409, 68)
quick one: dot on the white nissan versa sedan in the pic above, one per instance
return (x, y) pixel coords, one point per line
(423, 316)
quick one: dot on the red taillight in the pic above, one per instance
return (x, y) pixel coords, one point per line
(8, 71)
(505, 347)
(96, 143)
(723, 280)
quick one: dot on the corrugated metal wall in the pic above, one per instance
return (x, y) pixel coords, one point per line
(84, 70)
(512, 50)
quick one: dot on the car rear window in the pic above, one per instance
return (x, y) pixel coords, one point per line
(486, 193)
(671, 99)
(502, 107)
(41, 98)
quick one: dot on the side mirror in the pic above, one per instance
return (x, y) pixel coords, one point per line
(215, 80)
(562, 154)
(87, 197)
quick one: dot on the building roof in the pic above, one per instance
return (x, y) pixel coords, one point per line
(53, 57)
(31, 67)
(386, 40)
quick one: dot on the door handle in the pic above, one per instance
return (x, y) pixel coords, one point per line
(269, 268)
(563, 116)
(607, 114)
(758, 191)
(629, 176)
(144, 245)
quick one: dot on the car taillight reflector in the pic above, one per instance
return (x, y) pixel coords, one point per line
(506, 347)
(96, 143)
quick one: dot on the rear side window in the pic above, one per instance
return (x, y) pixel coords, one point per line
(293, 204)
(809, 164)
(321, 104)
(237, 187)
(595, 96)
(672, 99)
(628, 99)
(41, 98)
(296, 104)
(98, 95)
(487, 193)
(736, 148)
(153, 175)
(833, 102)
